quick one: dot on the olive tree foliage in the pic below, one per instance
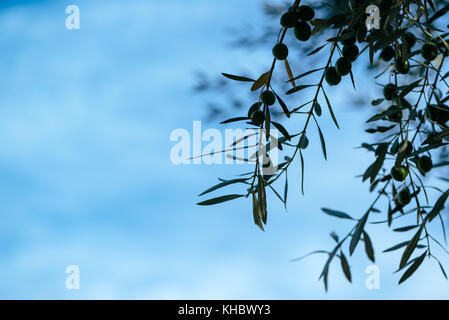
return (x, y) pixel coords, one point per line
(406, 55)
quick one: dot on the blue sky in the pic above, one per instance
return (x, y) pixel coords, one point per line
(86, 178)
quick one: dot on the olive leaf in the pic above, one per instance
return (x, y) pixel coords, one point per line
(336, 213)
(345, 266)
(411, 246)
(368, 247)
(412, 268)
(357, 233)
(219, 199)
(261, 81)
(237, 78)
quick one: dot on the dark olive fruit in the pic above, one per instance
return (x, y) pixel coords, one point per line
(402, 66)
(361, 34)
(404, 197)
(289, 19)
(302, 31)
(410, 39)
(387, 54)
(439, 114)
(390, 91)
(280, 51)
(254, 107)
(348, 37)
(257, 117)
(305, 13)
(400, 173)
(394, 113)
(332, 77)
(425, 164)
(351, 52)
(343, 66)
(429, 51)
(268, 98)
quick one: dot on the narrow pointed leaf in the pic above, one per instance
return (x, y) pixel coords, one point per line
(223, 184)
(220, 199)
(345, 267)
(237, 78)
(368, 247)
(412, 268)
(410, 248)
(357, 233)
(261, 81)
(338, 214)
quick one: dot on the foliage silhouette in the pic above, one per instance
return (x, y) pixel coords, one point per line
(409, 127)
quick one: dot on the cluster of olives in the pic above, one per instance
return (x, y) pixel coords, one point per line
(343, 65)
(400, 173)
(298, 19)
(401, 64)
(257, 116)
(429, 52)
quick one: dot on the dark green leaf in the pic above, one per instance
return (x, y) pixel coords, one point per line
(223, 184)
(412, 268)
(281, 128)
(302, 172)
(234, 120)
(256, 215)
(345, 266)
(299, 88)
(237, 78)
(306, 73)
(338, 214)
(442, 269)
(410, 248)
(397, 246)
(407, 228)
(283, 106)
(439, 205)
(334, 236)
(316, 50)
(330, 110)
(377, 101)
(357, 233)
(323, 143)
(368, 246)
(317, 108)
(220, 199)
(409, 88)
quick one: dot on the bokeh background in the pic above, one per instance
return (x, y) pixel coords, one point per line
(86, 178)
